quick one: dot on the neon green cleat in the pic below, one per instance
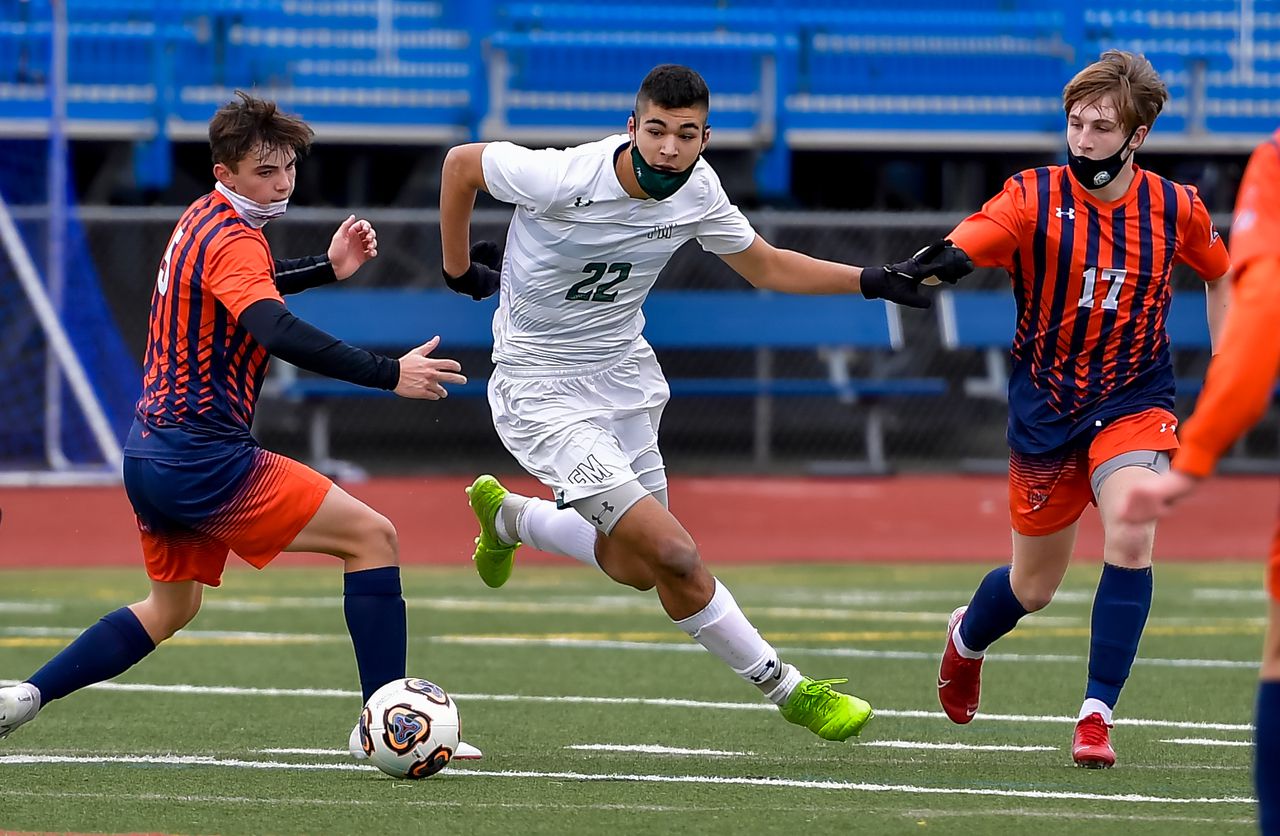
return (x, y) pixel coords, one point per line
(828, 713)
(494, 557)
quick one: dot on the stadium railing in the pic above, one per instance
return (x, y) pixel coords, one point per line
(767, 327)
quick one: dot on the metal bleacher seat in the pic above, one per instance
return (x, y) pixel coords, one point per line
(558, 85)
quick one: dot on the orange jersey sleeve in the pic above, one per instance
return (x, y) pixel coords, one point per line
(1240, 379)
(1201, 247)
(240, 272)
(1238, 386)
(991, 235)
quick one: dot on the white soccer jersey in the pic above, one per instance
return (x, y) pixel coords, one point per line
(582, 254)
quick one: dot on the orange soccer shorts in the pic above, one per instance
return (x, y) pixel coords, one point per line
(191, 514)
(1048, 492)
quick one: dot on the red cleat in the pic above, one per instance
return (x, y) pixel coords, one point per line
(959, 679)
(1091, 745)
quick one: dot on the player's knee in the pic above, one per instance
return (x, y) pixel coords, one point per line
(674, 557)
(1128, 546)
(1034, 596)
(379, 539)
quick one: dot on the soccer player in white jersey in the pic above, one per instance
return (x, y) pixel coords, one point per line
(577, 393)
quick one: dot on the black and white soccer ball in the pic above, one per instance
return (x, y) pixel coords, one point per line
(409, 728)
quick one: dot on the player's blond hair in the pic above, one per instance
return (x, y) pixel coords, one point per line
(1140, 93)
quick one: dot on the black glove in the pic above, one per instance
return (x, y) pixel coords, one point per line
(901, 282)
(482, 277)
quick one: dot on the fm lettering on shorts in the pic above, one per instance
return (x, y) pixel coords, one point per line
(590, 472)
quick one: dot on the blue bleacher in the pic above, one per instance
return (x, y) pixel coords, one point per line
(780, 72)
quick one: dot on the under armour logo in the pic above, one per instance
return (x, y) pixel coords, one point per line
(1166, 427)
(767, 672)
(1069, 214)
(605, 510)
(579, 201)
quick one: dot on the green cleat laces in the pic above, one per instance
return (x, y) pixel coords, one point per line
(493, 556)
(828, 713)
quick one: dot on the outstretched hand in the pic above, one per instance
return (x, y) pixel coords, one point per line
(941, 261)
(483, 276)
(422, 376)
(353, 244)
(1151, 499)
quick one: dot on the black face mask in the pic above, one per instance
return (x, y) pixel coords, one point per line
(1098, 174)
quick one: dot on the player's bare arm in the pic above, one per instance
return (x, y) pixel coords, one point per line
(460, 179)
(1217, 301)
(788, 271)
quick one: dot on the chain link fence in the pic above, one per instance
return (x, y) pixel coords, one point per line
(700, 434)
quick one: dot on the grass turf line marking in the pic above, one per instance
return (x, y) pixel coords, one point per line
(1074, 814)
(654, 749)
(612, 606)
(1205, 741)
(855, 653)
(51, 637)
(238, 691)
(179, 760)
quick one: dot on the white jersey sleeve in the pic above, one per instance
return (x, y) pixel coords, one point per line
(724, 229)
(527, 178)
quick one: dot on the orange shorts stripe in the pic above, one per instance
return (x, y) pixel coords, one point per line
(277, 500)
(1048, 493)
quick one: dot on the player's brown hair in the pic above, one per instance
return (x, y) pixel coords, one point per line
(248, 123)
(1139, 91)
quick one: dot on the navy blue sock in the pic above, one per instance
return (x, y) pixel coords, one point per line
(1120, 610)
(1266, 758)
(993, 611)
(107, 649)
(374, 608)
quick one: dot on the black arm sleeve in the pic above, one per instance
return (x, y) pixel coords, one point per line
(291, 339)
(294, 275)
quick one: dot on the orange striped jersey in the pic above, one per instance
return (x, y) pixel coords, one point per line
(202, 371)
(1243, 374)
(1091, 280)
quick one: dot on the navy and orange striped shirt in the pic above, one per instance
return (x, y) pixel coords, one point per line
(202, 371)
(1092, 285)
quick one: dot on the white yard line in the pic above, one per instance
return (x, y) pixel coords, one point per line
(1207, 741)
(848, 786)
(849, 652)
(231, 690)
(30, 606)
(571, 642)
(654, 749)
(958, 747)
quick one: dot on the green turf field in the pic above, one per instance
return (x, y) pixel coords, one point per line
(558, 671)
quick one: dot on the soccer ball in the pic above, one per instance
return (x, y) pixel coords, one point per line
(409, 728)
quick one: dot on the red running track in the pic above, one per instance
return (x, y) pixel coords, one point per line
(734, 520)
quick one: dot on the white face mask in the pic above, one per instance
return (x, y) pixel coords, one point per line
(257, 214)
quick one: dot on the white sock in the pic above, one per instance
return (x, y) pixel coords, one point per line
(962, 648)
(559, 531)
(504, 521)
(1092, 706)
(722, 628)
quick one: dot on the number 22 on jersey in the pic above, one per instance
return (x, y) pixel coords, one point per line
(597, 270)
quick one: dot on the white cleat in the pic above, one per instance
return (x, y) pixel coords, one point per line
(18, 705)
(464, 752)
(355, 745)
